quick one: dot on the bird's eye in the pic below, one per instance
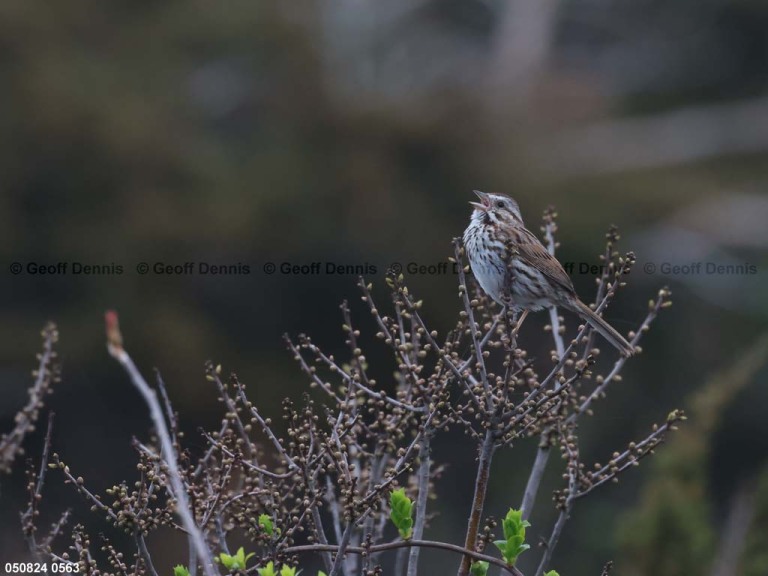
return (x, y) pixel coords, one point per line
(500, 204)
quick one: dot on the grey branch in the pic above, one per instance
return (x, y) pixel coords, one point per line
(183, 508)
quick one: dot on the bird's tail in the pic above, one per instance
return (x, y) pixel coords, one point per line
(606, 330)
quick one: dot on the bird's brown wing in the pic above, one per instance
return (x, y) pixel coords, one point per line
(532, 252)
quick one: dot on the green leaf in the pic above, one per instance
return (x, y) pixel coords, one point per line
(287, 571)
(266, 524)
(321, 573)
(514, 536)
(401, 513)
(238, 561)
(478, 568)
(551, 573)
(227, 560)
(180, 570)
(268, 570)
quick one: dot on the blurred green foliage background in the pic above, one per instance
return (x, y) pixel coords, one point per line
(353, 132)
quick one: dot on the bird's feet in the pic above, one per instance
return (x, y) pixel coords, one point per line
(514, 322)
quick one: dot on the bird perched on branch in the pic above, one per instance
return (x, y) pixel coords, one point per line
(514, 268)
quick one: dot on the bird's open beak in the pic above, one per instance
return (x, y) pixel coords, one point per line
(484, 203)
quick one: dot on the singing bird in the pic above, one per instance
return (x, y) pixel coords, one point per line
(515, 269)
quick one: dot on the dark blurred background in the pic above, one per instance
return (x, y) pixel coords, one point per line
(353, 131)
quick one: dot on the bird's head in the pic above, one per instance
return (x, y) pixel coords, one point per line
(497, 208)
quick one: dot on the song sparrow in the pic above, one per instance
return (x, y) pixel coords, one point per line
(515, 269)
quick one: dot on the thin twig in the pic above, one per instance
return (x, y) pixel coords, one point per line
(267, 430)
(474, 331)
(408, 543)
(28, 517)
(245, 463)
(141, 545)
(619, 364)
(56, 529)
(172, 421)
(45, 375)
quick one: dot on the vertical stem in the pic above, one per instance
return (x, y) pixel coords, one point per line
(481, 487)
(400, 560)
(565, 512)
(421, 504)
(534, 480)
(542, 454)
(320, 533)
(192, 564)
(145, 556)
(28, 517)
(554, 538)
(338, 563)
